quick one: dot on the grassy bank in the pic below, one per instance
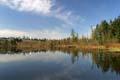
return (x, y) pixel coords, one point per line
(106, 47)
(34, 45)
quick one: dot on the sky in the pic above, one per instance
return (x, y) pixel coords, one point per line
(54, 19)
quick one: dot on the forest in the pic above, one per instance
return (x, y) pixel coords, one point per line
(107, 32)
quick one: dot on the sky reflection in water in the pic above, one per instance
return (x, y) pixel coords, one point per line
(60, 66)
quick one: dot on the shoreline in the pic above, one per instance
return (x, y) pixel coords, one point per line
(94, 48)
(36, 45)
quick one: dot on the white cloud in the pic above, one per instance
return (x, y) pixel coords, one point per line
(44, 7)
(49, 34)
(11, 33)
(65, 16)
(37, 6)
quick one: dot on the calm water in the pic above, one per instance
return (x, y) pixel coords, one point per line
(60, 66)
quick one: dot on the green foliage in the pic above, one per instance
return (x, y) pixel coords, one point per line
(74, 36)
(107, 32)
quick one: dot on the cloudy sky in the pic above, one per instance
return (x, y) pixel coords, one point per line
(53, 18)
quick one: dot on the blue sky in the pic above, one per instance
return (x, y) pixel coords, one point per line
(53, 18)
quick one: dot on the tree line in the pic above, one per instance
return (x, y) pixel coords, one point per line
(107, 32)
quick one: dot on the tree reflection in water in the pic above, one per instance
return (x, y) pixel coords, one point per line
(103, 60)
(107, 61)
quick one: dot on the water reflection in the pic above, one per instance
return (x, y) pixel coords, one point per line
(67, 64)
(107, 61)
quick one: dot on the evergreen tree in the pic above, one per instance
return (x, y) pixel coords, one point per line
(107, 32)
(74, 36)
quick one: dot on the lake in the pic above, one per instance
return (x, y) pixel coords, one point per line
(58, 65)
